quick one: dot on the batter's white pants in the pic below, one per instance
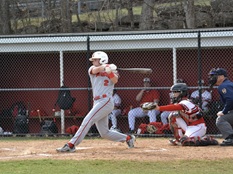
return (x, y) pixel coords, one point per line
(98, 115)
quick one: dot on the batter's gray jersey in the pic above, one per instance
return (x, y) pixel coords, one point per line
(101, 85)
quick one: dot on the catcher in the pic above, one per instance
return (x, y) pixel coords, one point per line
(186, 120)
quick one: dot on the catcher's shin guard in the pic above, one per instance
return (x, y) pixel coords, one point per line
(197, 141)
(174, 128)
(205, 141)
(212, 141)
(188, 141)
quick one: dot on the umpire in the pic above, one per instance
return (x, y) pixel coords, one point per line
(224, 121)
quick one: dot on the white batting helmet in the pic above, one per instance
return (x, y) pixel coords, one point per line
(100, 55)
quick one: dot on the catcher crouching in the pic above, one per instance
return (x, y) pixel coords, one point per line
(186, 119)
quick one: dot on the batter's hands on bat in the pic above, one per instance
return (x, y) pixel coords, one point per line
(113, 67)
(109, 68)
(149, 106)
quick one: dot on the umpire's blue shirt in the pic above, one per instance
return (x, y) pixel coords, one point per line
(226, 93)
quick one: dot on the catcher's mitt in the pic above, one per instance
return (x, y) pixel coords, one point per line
(149, 106)
(151, 129)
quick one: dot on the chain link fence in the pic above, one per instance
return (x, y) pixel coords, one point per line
(33, 68)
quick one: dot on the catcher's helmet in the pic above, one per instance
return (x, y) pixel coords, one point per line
(100, 55)
(179, 87)
(214, 73)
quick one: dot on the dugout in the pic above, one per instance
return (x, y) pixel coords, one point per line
(33, 67)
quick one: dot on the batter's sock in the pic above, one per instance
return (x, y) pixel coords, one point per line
(128, 138)
(70, 145)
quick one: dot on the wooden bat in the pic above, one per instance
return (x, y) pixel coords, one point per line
(137, 70)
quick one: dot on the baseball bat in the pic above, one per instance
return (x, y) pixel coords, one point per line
(137, 70)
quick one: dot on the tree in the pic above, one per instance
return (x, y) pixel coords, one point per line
(189, 13)
(147, 15)
(77, 15)
(66, 16)
(5, 25)
(129, 7)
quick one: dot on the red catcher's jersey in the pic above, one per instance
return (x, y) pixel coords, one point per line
(187, 110)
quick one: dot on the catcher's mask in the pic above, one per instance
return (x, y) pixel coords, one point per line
(181, 88)
(213, 75)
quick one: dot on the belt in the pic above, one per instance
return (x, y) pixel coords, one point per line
(99, 97)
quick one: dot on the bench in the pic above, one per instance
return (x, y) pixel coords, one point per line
(35, 127)
(122, 120)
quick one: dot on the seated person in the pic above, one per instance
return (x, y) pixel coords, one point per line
(205, 95)
(116, 111)
(145, 95)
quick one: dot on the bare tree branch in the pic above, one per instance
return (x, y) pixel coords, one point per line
(147, 15)
(189, 13)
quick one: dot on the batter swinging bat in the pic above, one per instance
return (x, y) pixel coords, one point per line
(137, 70)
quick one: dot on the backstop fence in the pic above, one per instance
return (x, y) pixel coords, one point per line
(33, 68)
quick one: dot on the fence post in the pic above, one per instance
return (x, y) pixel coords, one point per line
(61, 83)
(89, 83)
(199, 69)
(174, 65)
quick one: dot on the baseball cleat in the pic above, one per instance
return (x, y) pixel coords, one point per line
(130, 141)
(65, 148)
(227, 142)
(210, 140)
(174, 142)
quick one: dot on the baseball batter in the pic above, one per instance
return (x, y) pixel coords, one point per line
(103, 77)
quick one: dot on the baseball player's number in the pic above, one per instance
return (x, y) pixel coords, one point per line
(106, 82)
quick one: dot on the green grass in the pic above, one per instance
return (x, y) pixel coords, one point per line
(114, 167)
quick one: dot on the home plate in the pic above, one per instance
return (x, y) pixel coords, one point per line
(81, 148)
(155, 150)
(42, 154)
(7, 149)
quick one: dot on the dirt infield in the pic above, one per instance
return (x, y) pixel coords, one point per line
(146, 149)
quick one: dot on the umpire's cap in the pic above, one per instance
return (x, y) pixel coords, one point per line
(218, 71)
